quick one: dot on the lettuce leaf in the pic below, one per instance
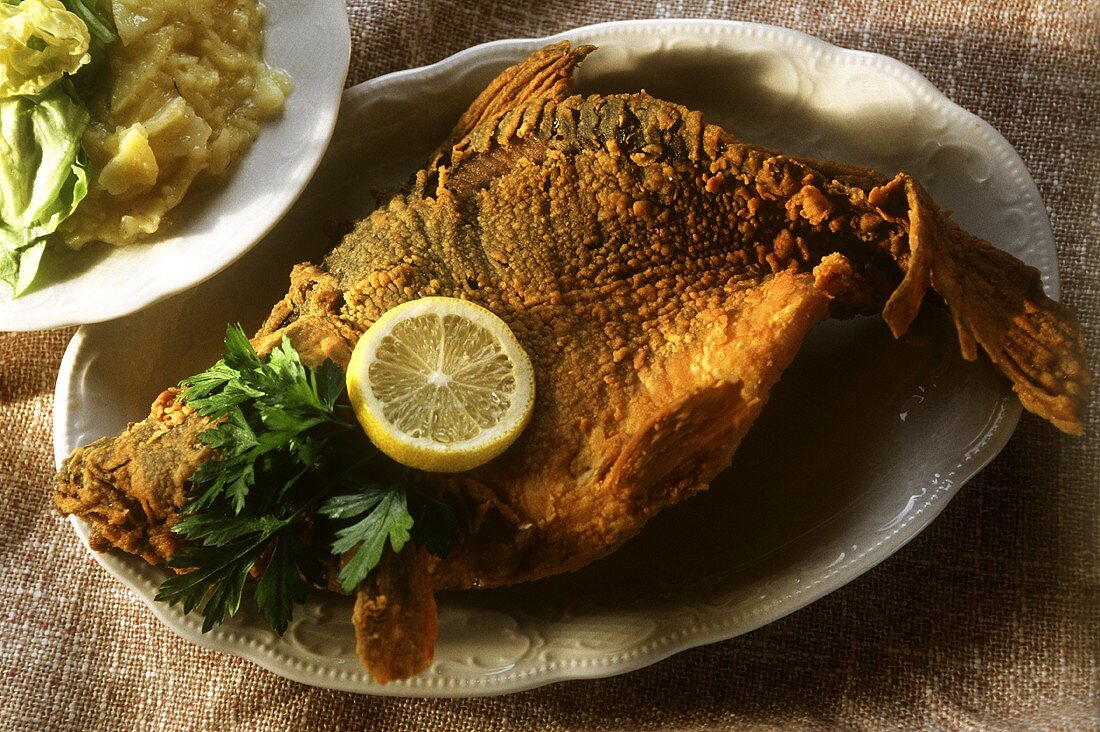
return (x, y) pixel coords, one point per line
(98, 23)
(40, 41)
(43, 175)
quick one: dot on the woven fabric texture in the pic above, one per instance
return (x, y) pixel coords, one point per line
(988, 620)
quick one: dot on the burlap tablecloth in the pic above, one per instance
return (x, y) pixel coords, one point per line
(990, 619)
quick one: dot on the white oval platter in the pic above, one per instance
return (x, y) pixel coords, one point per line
(877, 434)
(101, 282)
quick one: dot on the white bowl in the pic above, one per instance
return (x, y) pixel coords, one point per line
(311, 42)
(877, 435)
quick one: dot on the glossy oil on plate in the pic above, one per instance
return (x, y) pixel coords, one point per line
(863, 443)
(101, 282)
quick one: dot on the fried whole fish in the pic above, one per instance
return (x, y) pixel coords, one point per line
(660, 274)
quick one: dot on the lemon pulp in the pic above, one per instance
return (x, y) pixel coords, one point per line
(441, 384)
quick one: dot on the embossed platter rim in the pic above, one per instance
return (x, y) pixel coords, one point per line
(576, 644)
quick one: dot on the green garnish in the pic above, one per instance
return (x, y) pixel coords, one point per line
(269, 406)
(98, 25)
(43, 175)
(43, 166)
(387, 517)
(226, 558)
(283, 435)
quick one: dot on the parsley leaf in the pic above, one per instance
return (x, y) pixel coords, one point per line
(231, 548)
(216, 582)
(209, 381)
(328, 382)
(433, 523)
(221, 530)
(387, 518)
(239, 352)
(291, 569)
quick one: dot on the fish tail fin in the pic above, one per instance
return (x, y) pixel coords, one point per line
(996, 302)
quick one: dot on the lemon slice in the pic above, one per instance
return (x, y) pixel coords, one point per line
(441, 384)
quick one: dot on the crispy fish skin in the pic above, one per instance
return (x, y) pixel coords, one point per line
(661, 275)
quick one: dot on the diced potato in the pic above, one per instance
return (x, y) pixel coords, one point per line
(188, 88)
(134, 165)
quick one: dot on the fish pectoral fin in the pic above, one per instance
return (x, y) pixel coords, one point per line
(694, 437)
(396, 623)
(708, 393)
(996, 302)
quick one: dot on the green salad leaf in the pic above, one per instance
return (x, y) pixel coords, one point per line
(43, 175)
(40, 41)
(98, 25)
(43, 168)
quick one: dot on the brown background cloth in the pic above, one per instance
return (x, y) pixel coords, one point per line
(988, 620)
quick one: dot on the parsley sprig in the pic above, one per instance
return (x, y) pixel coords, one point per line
(270, 405)
(385, 516)
(284, 473)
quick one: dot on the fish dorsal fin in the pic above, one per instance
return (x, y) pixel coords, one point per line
(545, 73)
(633, 126)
